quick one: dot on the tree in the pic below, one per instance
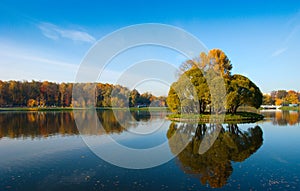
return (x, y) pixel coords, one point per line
(199, 82)
(203, 81)
(184, 94)
(215, 60)
(134, 97)
(103, 95)
(145, 99)
(292, 97)
(242, 91)
(219, 62)
(267, 100)
(120, 96)
(14, 91)
(3, 93)
(281, 94)
(173, 100)
(31, 103)
(62, 91)
(278, 101)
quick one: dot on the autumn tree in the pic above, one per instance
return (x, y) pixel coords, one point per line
(215, 60)
(3, 93)
(35, 93)
(242, 91)
(292, 97)
(173, 100)
(134, 97)
(120, 96)
(283, 97)
(267, 100)
(205, 81)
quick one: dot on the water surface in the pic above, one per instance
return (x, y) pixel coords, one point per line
(44, 151)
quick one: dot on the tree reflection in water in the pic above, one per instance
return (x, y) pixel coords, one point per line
(282, 118)
(45, 124)
(214, 166)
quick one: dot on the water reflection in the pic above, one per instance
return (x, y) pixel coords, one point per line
(44, 124)
(282, 118)
(214, 166)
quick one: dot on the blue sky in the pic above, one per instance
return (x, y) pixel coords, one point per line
(47, 40)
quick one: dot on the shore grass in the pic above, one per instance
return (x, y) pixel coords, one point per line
(239, 117)
(37, 109)
(134, 108)
(287, 108)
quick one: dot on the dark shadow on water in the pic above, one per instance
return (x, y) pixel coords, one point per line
(214, 166)
(141, 115)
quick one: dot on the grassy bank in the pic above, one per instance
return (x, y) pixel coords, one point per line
(239, 117)
(134, 108)
(287, 108)
(37, 109)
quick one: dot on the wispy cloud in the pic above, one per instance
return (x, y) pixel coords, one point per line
(49, 61)
(279, 52)
(292, 34)
(55, 32)
(18, 63)
(19, 55)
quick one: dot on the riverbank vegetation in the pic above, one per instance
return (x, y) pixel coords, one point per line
(238, 117)
(288, 108)
(54, 96)
(282, 97)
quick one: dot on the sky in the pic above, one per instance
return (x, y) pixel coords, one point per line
(48, 40)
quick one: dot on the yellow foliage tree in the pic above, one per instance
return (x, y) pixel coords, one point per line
(31, 103)
(278, 101)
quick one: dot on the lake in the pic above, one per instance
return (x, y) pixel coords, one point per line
(46, 151)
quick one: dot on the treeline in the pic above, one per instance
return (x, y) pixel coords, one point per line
(50, 94)
(282, 97)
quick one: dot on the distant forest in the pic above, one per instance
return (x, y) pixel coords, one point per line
(50, 94)
(282, 97)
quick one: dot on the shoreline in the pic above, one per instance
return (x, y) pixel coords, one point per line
(78, 108)
(239, 117)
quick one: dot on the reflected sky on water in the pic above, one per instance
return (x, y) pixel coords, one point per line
(43, 150)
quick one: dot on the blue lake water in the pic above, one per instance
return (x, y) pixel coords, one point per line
(45, 151)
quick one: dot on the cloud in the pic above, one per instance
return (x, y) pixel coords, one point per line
(20, 55)
(54, 32)
(278, 52)
(52, 62)
(23, 64)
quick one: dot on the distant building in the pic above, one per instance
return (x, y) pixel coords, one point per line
(293, 105)
(141, 106)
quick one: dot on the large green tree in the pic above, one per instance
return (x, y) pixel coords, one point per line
(242, 91)
(190, 94)
(173, 100)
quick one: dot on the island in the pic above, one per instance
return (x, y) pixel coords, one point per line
(207, 90)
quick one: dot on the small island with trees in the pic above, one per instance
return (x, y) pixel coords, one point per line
(190, 97)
